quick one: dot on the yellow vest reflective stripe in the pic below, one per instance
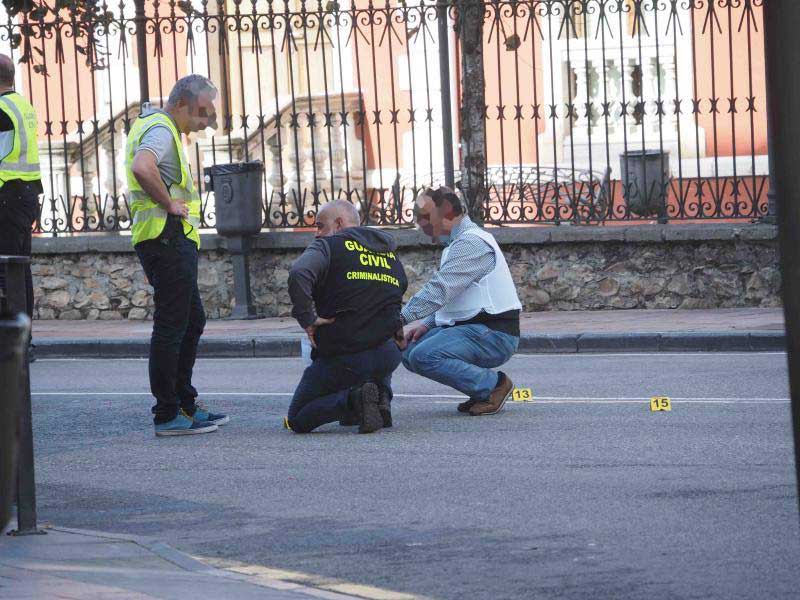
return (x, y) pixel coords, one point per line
(23, 160)
(148, 218)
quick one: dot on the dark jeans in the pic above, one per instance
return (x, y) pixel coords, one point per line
(321, 395)
(19, 206)
(170, 264)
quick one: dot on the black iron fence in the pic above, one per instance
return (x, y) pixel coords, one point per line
(595, 111)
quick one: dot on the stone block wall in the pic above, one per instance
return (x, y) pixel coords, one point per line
(673, 266)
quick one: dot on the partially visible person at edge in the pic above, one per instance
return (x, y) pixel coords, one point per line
(464, 321)
(165, 212)
(347, 289)
(20, 178)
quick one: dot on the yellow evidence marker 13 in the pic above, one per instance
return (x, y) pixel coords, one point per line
(660, 403)
(522, 395)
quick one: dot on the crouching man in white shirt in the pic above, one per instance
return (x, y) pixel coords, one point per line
(465, 321)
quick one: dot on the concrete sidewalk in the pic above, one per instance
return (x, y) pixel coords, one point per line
(733, 329)
(69, 563)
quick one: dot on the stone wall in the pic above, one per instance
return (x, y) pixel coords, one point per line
(558, 268)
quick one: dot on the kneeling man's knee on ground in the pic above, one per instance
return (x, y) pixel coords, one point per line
(297, 427)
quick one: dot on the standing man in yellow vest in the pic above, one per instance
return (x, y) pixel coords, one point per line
(20, 179)
(165, 213)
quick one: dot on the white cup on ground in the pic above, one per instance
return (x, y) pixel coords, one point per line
(305, 350)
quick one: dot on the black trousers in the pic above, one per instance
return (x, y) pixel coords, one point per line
(19, 207)
(321, 395)
(170, 263)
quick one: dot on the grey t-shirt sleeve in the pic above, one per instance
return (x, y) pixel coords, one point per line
(160, 141)
(6, 143)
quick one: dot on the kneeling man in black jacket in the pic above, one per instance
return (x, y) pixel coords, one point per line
(347, 289)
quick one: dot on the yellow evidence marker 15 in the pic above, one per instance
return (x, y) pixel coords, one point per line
(522, 395)
(660, 403)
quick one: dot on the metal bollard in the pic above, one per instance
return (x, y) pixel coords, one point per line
(14, 303)
(13, 343)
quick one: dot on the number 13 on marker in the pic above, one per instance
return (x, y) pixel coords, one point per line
(522, 395)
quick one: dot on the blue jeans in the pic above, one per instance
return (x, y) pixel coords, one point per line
(321, 395)
(461, 357)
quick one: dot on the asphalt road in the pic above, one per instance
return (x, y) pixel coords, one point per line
(583, 493)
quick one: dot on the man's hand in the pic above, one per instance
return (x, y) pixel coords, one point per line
(413, 332)
(178, 207)
(312, 329)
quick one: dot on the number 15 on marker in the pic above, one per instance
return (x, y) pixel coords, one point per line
(659, 403)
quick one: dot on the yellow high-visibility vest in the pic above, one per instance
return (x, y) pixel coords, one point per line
(148, 217)
(23, 160)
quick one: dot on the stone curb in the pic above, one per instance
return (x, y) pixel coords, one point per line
(567, 343)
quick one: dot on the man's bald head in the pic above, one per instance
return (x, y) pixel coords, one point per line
(344, 209)
(335, 216)
(6, 71)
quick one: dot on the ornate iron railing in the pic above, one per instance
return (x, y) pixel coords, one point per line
(595, 110)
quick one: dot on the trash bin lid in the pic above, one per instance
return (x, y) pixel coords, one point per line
(644, 153)
(234, 168)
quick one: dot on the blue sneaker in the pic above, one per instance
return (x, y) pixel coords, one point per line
(183, 425)
(201, 413)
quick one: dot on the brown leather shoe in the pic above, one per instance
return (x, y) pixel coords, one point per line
(496, 399)
(466, 405)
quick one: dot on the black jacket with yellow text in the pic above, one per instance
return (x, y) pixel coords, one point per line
(356, 278)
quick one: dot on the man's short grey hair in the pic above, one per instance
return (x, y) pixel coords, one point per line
(442, 193)
(344, 209)
(188, 89)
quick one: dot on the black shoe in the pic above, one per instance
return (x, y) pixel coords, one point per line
(365, 404)
(465, 406)
(385, 408)
(349, 421)
(31, 353)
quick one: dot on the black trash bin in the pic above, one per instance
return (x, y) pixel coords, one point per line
(237, 197)
(239, 211)
(645, 180)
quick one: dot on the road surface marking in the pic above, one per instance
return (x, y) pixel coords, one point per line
(316, 585)
(455, 398)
